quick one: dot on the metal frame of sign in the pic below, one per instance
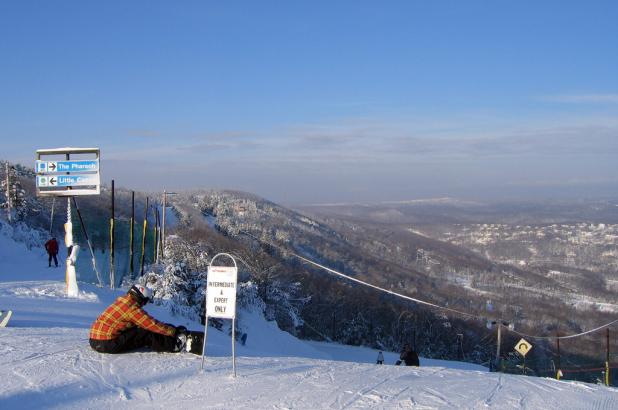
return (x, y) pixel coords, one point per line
(233, 318)
(84, 182)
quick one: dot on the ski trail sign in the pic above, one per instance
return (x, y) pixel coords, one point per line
(523, 347)
(221, 299)
(221, 292)
(72, 176)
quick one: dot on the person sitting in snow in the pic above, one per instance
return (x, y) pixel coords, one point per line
(125, 326)
(408, 356)
(51, 247)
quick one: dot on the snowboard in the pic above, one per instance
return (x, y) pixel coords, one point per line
(5, 315)
(195, 342)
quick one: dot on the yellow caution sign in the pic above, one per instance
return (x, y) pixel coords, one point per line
(523, 347)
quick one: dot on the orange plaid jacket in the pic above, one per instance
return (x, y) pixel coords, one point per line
(124, 313)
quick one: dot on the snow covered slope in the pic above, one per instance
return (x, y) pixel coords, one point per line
(45, 362)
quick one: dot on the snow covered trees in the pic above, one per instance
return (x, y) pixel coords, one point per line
(13, 198)
(179, 282)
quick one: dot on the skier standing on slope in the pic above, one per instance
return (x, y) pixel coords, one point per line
(125, 326)
(51, 247)
(380, 358)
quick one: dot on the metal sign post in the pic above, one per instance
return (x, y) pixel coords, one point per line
(68, 178)
(221, 299)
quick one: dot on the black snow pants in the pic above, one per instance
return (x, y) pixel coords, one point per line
(135, 338)
(52, 255)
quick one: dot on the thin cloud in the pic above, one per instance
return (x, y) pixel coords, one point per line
(222, 136)
(144, 133)
(564, 182)
(582, 98)
(205, 147)
(549, 142)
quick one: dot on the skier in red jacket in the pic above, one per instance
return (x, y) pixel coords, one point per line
(51, 247)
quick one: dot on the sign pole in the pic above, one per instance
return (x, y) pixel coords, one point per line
(71, 275)
(205, 333)
(51, 219)
(234, 346)
(498, 361)
(71, 279)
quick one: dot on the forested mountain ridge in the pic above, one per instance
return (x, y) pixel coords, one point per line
(419, 260)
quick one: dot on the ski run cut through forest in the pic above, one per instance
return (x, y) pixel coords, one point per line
(46, 362)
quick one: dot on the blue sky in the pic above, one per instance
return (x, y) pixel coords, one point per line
(321, 101)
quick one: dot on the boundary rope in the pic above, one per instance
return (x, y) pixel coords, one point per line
(568, 336)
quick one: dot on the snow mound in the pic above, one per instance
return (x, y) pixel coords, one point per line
(42, 290)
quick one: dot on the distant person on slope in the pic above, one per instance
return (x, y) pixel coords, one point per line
(408, 356)
(125, 326)
(380, 358)
(51, 247)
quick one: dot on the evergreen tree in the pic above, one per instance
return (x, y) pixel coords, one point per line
(13, 195)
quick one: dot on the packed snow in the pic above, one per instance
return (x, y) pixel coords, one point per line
(46, 362)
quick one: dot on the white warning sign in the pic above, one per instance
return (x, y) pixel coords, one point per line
(221, 292)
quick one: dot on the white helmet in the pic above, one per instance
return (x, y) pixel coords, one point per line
(142, 293)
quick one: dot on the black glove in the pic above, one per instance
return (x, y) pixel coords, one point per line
(181, 330)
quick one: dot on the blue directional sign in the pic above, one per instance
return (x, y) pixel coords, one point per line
(68, 180)
(78, 174)
(51, 167)
(73, 180)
